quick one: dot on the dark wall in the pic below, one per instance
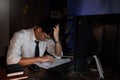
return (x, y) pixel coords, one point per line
(26, 13)
(4, 25)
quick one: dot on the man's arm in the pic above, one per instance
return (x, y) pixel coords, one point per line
(28, 61)
(14, 49)
(58, 47)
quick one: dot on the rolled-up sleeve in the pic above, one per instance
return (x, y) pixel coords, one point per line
(14, 49)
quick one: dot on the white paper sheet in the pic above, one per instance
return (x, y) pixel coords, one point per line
(57, 62)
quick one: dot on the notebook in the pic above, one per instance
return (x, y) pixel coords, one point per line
(14, 70)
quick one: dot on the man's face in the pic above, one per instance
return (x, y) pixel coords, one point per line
(42, 35)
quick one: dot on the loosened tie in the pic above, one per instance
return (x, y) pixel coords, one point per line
(37, 49)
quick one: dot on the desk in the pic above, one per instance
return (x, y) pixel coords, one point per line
(43, 74)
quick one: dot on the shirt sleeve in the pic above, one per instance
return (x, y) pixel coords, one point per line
(51, 49)
(14, 49)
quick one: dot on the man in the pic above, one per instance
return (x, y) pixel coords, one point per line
(22, 45)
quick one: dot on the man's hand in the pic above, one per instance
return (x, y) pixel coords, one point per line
(56, 33)
(46, 58)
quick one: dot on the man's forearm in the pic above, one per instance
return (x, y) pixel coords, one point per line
(58, 49)
(28, 61)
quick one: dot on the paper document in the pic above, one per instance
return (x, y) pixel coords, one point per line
(57, 62)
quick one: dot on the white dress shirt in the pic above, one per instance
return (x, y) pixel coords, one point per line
(23, 44)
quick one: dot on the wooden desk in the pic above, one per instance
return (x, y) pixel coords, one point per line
(43, 74)
(2, 74)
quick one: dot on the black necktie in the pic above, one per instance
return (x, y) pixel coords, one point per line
(37, 49)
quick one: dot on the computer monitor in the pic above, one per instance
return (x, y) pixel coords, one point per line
(93, 7)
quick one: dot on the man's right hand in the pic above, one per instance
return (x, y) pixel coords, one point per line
(46, 58)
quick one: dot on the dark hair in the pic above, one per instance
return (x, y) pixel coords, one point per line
(47, 25)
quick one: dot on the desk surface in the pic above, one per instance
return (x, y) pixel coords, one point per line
(44, 74)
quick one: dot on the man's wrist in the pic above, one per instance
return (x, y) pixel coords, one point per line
(57, 41)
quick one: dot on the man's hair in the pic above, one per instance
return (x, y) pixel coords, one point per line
(47, 25)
